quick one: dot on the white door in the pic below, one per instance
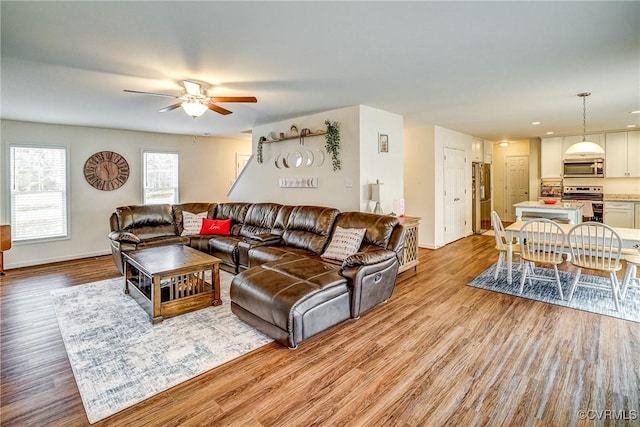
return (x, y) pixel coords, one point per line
(517, 183)
(455, 200)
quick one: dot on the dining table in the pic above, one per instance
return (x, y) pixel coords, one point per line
(630, 238)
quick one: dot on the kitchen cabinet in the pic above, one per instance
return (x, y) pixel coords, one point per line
(622, 154)
(481, 151)
(568, 141)
(551, 157)
(477, 150)
(619, 214)
(637, 215)
(488, 152)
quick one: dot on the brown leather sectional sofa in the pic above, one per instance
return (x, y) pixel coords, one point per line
(283, 286)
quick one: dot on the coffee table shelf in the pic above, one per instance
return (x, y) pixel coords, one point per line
(170, 280)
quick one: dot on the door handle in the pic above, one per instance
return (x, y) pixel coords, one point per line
(457, 199)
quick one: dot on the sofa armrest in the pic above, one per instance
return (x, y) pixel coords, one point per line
(367, 258)
(371, 276)
(124, 236)
(265, 238)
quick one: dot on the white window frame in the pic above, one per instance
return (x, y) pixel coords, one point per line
(67, 194)
(144, 174)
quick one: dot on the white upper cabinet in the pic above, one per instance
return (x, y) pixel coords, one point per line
(598, 138)
(551, 157)
(622, 155)
(488, 151)
(477, 150)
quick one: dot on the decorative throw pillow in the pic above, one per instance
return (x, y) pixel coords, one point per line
(216, 226)
(344, 242)
(192, 223)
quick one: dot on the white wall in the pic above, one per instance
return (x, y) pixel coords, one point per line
(207, 168)
(345, 189)
(386, 167)
(419, 180)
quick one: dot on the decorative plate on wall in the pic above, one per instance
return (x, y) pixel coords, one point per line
(106, 170)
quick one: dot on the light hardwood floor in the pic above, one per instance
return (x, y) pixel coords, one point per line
(438, 353)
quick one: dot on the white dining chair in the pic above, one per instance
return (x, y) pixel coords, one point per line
(596, 246)
(501, 244)
(631, 278)
(541, 242)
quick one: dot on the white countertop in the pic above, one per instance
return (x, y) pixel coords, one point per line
(622, 197)
(539, 204)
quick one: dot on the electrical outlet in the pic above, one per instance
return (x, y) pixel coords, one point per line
(348, 183)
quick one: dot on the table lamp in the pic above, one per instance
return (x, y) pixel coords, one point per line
(375, 196)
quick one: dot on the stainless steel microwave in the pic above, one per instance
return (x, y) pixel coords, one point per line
(583, 168)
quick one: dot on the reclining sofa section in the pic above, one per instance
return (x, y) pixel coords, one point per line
(283, 286)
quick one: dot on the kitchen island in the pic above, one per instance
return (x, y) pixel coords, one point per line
(572, 211)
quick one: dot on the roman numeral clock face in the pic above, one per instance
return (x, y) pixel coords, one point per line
(106, 170)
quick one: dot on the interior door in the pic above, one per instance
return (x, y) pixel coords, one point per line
(517, 183)
(455, 200)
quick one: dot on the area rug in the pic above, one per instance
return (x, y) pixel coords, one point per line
(586, 299)
(119, 358)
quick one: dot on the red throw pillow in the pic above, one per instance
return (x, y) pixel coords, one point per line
(216, 226)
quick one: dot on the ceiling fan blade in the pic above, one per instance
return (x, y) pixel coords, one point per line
(219, 109)
(151, 93)
(192, 88)
(170, 107)
(234, 99)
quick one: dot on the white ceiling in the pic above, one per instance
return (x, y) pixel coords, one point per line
(483, 68)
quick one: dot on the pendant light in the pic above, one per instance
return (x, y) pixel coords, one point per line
(584, 147)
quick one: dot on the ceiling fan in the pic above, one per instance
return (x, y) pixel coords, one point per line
(195, 100)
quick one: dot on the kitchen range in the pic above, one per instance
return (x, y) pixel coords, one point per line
(592, 198)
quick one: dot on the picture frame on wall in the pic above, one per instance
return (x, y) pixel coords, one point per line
(383, 143)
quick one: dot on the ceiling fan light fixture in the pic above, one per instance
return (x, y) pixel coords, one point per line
(584, 147)
(194, 108)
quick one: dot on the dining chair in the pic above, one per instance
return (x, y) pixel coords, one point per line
(596, 246)
(501, 244)
(631, 278)
(541, 242)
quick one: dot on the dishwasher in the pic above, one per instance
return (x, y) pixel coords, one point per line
(619, 214)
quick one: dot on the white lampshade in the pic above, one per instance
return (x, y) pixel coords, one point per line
(194, 109)
(584, 148)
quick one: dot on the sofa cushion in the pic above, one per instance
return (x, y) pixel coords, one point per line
(225, 248)
(308, 227)
(259, 219)
(236, 211)
(194, 208)
(379, 227)
(344, 242)
(147, 221)
(192, 223)
(216, 226)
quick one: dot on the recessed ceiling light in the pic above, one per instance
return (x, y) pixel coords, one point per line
(632, 126)
(535, 123)
(504, 144)
(550, 132)
(634, 112)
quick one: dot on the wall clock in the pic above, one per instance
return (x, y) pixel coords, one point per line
(106, 170)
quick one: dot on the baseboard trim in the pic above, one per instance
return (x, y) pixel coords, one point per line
(41, 261)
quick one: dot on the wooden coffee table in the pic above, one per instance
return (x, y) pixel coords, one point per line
(170, 280)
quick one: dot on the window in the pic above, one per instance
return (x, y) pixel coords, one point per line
(38, 192)
(160, 178)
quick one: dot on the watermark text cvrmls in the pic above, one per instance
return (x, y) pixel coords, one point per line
(608, 414)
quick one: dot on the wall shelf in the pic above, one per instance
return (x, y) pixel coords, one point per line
(268, 141)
